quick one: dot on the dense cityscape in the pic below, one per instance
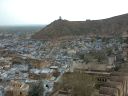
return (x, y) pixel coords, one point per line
(25, 62)
(63, 48)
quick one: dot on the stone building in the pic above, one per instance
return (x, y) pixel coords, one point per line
(117, 85)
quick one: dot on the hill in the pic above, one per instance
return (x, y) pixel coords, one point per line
(104, 27)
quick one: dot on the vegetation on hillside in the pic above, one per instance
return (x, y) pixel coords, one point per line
(99, 56)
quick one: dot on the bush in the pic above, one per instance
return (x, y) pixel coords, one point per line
(37, 89)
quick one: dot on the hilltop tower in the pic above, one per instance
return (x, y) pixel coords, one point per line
(60, 18)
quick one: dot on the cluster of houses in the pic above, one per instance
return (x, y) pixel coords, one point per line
(23, 62)
(111, 77)
(17, 71)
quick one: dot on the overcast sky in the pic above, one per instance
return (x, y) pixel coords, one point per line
(45, 11)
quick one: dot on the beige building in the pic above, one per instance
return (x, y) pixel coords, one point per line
(117, 84)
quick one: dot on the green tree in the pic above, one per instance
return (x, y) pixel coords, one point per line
(87, 58)
(37, 89)
(100, 56)
(109, 51)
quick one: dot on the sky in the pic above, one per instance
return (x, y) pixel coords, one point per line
(24, 12)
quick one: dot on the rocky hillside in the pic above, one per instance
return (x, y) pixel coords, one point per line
(104, 27)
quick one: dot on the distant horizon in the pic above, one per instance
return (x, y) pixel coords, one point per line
(52, 21)
(20, 25)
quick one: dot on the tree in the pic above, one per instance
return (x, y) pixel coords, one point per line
(37, 89)
(109, 51)
(87, 58)
(81, 56)
(100, 56)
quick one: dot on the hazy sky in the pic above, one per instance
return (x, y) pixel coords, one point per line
(45, 11)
